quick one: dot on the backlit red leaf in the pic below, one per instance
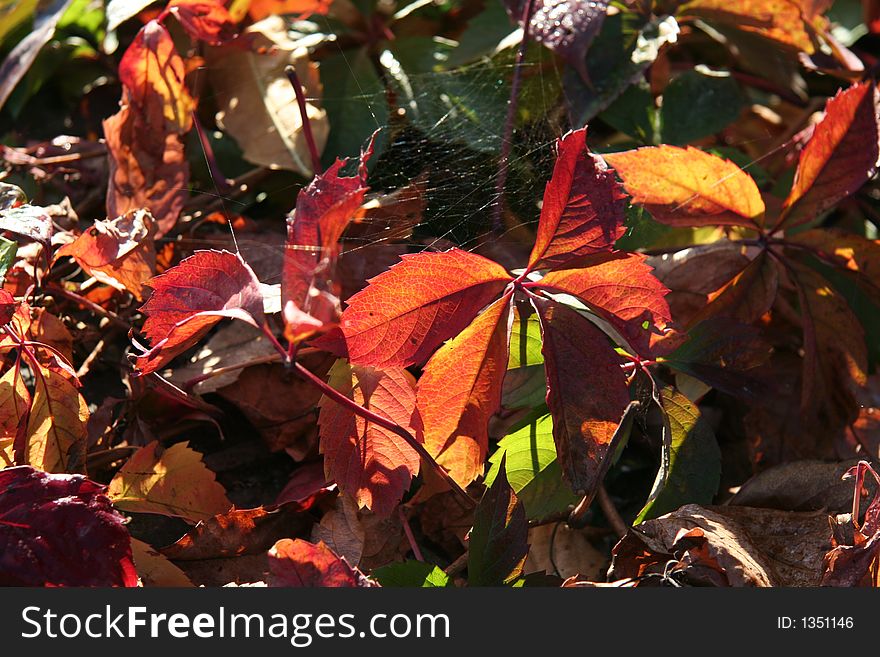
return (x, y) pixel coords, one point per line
(205, 20)
(840, 157)
(298, 563)
(323, 210)
(259, 9)
(60, 530)
(118, 252)
(460, 389)
(622, 291)
(406, 312)
(372, 464)
(583, 208)
(687, 187)
(153, 75)
(192, 297)
(586, 392)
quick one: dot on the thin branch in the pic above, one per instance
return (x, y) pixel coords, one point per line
(507, 136)
(417, 553)
(611, 512)
(458, 565)
(290, 71)
(91, 305)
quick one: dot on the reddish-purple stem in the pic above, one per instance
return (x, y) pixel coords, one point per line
(290, 71)
(507, 136)
(417, 553)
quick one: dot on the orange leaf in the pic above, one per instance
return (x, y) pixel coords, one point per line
(118, 252)
(56, 429)
(460, 390)
(406, 312)
(206, 20)
(15, 400)
(170, 482)
(583, 208)
(148, 169)
(586, 392)
(192, 297)
(259, 9)
(298, 563)
(153, 75)
(687, 187)
(784, 21)
(368, 462)
(840, 157)
(622, 291)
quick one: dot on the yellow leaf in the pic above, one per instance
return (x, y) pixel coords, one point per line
(173, 482)
(56, 430)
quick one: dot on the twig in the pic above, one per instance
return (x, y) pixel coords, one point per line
(91, 305)
(290, 71)
(417, 553)
(458, 565)
(611, 513)
(507, 136)
(91, 358)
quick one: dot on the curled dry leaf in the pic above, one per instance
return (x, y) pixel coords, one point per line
(205, 20)
(118, 252)
(60, 530)
(257, 102)
(172, 482)
(725, 546)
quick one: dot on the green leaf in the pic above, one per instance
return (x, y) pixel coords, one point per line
(482, 35)
(634, 114)
(694, 459)
(625, 47)
(525, 385)
(699, 103)
(412, 574)
(499, 538)
(533, 472)
(354, 98)
(13, 13)
(8, 249)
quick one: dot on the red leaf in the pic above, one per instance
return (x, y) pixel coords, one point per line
(460, 389)
(323, 210)
(583, 209)
(190, 298)
(206, 20)
(586, 392)
(622, 291)
(259, 9)
(840, 157)
(7, 307)
(373, 465)
(60, 530)
(118, 252)
(298, 563)
(406, 312)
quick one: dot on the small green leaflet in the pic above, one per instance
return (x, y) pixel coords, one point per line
(532, 469)
(525, 385)
(694, 459)
(412, 574)
(8, 249)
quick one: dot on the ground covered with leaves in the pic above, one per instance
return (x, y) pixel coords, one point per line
(442, 293)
